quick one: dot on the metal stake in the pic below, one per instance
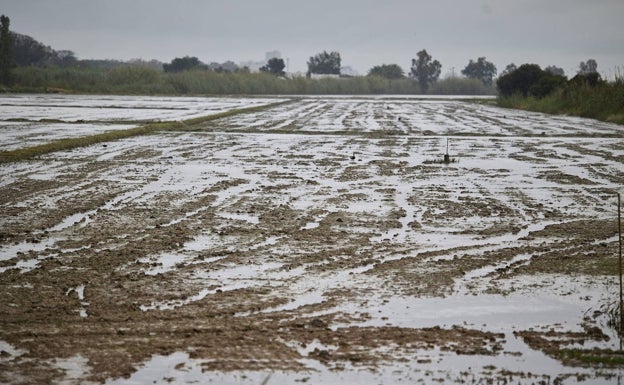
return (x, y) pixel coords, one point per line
(620, 261)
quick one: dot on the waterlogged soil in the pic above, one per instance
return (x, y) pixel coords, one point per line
(309, 238)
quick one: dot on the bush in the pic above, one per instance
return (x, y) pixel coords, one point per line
(547, 84)
(603, 101)
(520, 80)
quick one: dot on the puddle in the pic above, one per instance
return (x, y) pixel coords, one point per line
(430, 367)
(11, 351)
(240, 217)
(175, 368)
(79, 290)
(227, 279)
(76, 369)
(164, 262)
(310, 226)
(494, 312)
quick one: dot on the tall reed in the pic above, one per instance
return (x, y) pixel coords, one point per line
(148, 81)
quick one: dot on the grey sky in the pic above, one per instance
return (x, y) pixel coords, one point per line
(365, 32)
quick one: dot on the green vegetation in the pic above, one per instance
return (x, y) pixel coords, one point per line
(425, 70)
(71, 143)
(529, 80)
(606, 358)
(579, 96)
(143, 80)
(6, 51)
(482, 70)
(388, 71)
(183, 64)
(274, 66)
(461, 86)
(325, 63)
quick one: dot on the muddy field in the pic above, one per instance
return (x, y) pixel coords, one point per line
(321, 241)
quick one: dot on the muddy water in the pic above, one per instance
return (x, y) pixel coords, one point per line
(256, 245)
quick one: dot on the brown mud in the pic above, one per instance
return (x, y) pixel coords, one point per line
(101, 289)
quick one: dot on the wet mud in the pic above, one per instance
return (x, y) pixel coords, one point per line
(274, 241)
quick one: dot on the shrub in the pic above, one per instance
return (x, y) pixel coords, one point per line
(520, 80)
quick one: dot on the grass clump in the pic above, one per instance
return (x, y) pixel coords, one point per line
(591, 357)
(441, 161)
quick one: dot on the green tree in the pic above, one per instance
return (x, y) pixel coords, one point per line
(6, 51)
(529, 80)
(274, 66)
(520, 80)
(509, 69)
(482, 70)
(555, 70)
(388, 71)
(183, 64)
(591, 79)
(29, 52)
(324, 63)
(424, 70)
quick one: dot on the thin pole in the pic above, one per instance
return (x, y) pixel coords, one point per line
(620, 260)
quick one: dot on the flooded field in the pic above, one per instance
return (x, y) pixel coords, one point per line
(320, 241)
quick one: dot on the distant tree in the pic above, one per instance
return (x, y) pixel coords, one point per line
(529, 80)
(6, 51)
(30, 52)
(481, 69)
(555, 70)
(388, 71)
(509, 69)
(64, 58)
(591, 79)
(274, 66)
(424, 70)
(227, 66)
(183, 64)
(587, 67)
(324, 63)
(103, 63)
(154, 64)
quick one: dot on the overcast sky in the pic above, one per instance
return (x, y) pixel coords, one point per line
(365, 32)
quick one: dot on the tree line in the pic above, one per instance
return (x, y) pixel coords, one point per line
(19, 51)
